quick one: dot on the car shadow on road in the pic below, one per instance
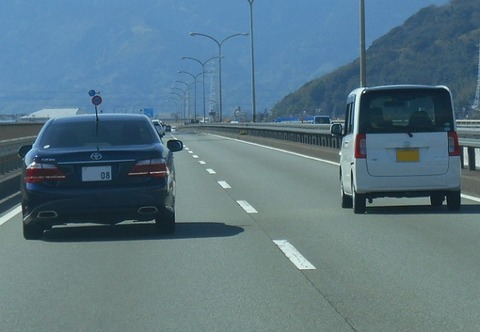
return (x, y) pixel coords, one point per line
(422, 209)
(139, 231)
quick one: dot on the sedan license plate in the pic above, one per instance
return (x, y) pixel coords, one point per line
(408, 155)
(97, 173)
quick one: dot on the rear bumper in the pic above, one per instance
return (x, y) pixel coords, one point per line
(407, 186)
(102, 207)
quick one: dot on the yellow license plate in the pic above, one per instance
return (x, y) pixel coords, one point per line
(408, 155)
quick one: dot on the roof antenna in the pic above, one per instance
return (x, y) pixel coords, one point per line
(96, 100)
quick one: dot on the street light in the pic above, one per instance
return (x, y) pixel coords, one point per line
(187, 94)
(254, 108)
(174, 99)
(363, 64)
(195, 93)
(219, 43)
(184, 99)
(203, 78)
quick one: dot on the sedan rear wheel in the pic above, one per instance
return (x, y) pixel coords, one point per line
(32, 231)
(165, 223)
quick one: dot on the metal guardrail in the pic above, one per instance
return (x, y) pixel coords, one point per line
(469, 135)
(9, 160)
(313, 134)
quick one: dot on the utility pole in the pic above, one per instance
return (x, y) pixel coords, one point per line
(254, 108)
(363, 64)
(476, 103)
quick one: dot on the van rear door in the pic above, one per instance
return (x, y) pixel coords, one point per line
(398, 154)
(406, 130)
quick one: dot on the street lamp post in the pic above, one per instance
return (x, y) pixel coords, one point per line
(219, 43)
(203, 78)
(187, 95)
(177, 103)
(254, 108)
(195, 90)
(363, 63)
(183, 97)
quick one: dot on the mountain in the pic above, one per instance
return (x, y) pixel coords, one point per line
(54, 52)
(438, 45)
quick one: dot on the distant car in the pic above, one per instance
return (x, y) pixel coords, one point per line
(159, 127)
(168, 128)
(399, 141)
(321, 119)
(105, 171)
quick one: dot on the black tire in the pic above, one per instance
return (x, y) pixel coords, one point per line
(454, 200)
(165, 223)
(437, 199)
(32, 232)
(347, 202)
(359, 202)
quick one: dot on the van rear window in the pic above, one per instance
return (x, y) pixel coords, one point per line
(406, 110)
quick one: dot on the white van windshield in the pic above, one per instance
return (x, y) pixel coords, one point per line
(406, 110)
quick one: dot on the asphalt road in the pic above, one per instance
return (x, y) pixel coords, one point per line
(261, 245)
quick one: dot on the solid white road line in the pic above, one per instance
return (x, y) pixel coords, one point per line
(10, 215)
(280, 150)
(224, 184)
(247, 207)
(472, 198)
(293, 255)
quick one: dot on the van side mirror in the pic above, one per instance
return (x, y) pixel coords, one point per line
(336, 129)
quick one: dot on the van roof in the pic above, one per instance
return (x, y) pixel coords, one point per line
(397, 87)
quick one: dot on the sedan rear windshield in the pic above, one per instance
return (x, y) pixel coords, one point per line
(402, 110)
(105, 133)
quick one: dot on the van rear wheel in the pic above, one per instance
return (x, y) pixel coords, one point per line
(347, 202)
(359, 202)
(436, 199)
(453, 200)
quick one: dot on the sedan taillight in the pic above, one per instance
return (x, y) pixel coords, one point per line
(38, 172)
(152, 167)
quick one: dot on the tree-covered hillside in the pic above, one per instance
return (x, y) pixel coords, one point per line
(438, 45)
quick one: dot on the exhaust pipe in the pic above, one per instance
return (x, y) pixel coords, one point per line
(147, 210)
(47, 214)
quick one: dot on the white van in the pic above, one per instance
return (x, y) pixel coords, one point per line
(399, 141)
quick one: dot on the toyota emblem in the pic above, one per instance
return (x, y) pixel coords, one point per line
(96, 156)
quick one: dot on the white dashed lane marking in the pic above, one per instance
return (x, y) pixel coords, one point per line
(224, 184)
(294, 255)
(247, 207)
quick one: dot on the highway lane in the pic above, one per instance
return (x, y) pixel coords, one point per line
(219, 272)
(402, 266)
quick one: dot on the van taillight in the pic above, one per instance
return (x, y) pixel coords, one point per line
(151, 167)
(453, 146)
(38, 172)
(360, 146)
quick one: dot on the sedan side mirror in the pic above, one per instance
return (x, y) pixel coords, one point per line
(175, 145)
(23, 150)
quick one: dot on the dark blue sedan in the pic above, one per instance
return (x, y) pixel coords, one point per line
(104, 170)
